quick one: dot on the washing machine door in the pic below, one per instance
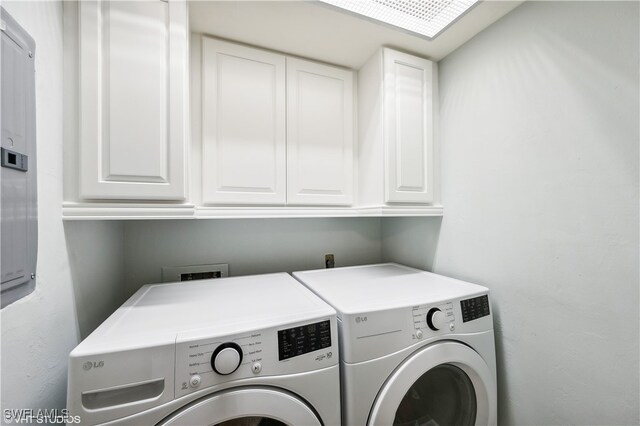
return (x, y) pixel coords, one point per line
(246, 407)
(447, 383)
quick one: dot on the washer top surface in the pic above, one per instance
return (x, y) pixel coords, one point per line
(157, 313)
(370, 288)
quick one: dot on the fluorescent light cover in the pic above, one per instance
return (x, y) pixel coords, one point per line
(426, 18)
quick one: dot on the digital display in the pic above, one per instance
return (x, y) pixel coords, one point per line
(304, 339)
(477, 307)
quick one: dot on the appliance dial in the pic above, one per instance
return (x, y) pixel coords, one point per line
(226, 358)
(435, 319)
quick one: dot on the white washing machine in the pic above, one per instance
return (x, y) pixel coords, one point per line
(416, 348)
(256, 350)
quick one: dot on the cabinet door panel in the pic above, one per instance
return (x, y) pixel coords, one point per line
(408, 128)
(319, 134)
(132, 83)
(136, 131)
(243, 125)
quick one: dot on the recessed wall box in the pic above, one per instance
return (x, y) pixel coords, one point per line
(18, 190)
(194, 272)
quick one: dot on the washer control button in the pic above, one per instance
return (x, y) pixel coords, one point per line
(195, 380)
(419, 334)
(256, 367)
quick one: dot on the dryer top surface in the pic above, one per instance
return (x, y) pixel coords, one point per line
(370, 288)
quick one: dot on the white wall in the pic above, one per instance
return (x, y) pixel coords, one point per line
(249, 246)
(539, 148)
(540, 186)
(39, 330)
(75, 287)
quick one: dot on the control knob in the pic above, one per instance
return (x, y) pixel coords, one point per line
(226, 358)
(436, 319)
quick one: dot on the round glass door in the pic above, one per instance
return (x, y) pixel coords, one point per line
(443, 395)
(246, 407)
(447, 383)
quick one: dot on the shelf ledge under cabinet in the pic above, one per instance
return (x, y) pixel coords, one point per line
(104, 211)
(121, 211)
(392, 211)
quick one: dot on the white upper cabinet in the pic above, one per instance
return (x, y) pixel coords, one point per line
(272, 135)
(396, 120)
(408, 120)
(133, 90)
(319, 134)
(243, 125)
(276, 130)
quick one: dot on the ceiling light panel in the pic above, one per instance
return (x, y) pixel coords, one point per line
(426, 18)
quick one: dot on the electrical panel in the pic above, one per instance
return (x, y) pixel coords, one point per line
(18, 183)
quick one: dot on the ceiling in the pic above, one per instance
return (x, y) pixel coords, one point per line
(315, 30)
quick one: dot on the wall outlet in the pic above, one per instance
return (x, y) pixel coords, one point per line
(329, 260)
(194, 272)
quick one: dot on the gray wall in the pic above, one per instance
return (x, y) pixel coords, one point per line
(96, 259)
(80, 266)
(249, 246)
(539, 149)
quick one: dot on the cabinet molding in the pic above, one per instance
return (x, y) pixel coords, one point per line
(319, 134)
(243, 125)
(133, 95)
(104, 211)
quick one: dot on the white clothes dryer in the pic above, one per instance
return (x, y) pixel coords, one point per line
(256, 350)
(416, 348)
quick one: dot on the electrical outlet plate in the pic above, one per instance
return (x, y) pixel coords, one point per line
(194, 272)
(329, 260)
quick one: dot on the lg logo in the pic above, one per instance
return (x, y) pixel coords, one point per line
(89, 365)
(361, 319)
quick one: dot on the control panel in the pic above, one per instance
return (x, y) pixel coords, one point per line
(205, 362)
(475, 308)
(433, 318)
(374, 334)
(304, 339)
(429, 320)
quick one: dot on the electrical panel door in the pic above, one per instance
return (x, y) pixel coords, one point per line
(19, 233)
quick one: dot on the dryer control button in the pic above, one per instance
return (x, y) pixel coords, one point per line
(195, 380)
(419, 334)
(256, 367)
(436, 319)
(226, 358)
